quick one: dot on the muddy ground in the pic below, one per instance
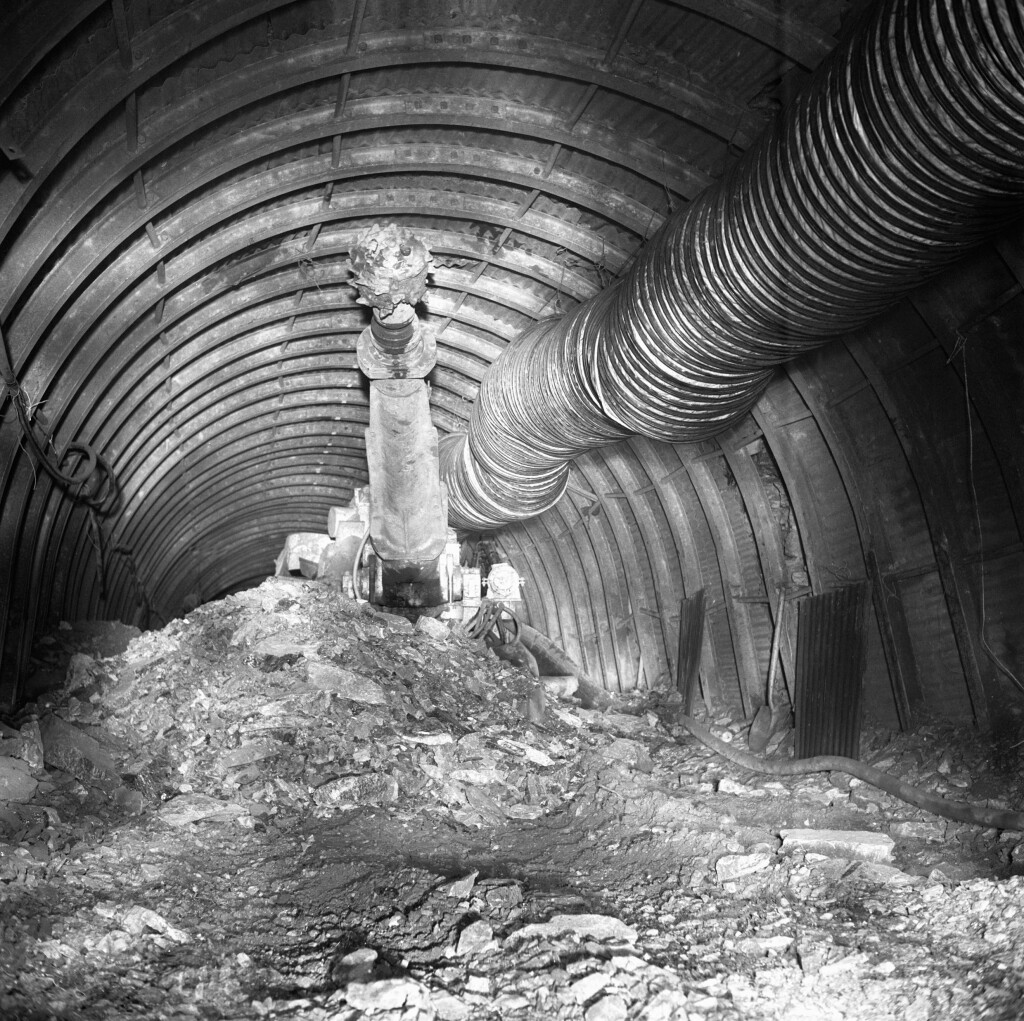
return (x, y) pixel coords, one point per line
(289, 806)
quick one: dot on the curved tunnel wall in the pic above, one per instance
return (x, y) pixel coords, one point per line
(176, 212)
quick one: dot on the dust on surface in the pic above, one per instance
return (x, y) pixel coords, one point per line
(289, 806)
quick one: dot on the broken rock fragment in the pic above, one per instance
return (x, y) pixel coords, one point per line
(25, 744)
(589, 986)
(284, 645)
(253, 751)
(476, 937)
(191, 808)
(624, 751)
(355, 966)
(346, 683)
(138, 920)
(70, 749)
(734, 866)
(913, 829)
(608, 1008)
(433, 628)
(460, 888)
(858, 844)
(877, 874)
(386, 994)
(81, 672)
(16, 781)
(761, 946)
(504, 898)
(448, 1007)
(479, 777)
(602, 927)
(369, 789)
(727, 786)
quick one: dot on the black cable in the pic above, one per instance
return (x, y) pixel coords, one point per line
(960, 811)
(92, 481)
(483, 620)
(489, 618)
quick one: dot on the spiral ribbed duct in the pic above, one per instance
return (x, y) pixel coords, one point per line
(905, 149)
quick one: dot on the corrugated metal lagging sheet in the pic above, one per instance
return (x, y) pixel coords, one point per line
(691, 641)
(829, 672)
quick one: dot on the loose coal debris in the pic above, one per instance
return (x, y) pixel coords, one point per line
(290, 805)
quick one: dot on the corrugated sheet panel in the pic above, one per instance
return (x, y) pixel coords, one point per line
(829, 673)
(691, 640)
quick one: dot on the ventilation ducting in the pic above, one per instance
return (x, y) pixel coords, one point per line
(905, 149)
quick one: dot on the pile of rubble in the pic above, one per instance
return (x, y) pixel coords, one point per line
(292, 699)
(292, 805)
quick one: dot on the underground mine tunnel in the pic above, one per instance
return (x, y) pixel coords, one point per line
(700, 319)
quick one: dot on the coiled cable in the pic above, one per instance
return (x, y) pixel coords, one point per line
(91, 481)
(489, 617)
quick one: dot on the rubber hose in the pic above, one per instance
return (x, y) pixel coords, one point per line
(592, 695)
(961, 811)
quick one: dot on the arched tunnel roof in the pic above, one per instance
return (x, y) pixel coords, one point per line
(180, 187)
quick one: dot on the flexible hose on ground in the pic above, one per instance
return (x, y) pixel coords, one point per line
(590, 693)
(961, 811)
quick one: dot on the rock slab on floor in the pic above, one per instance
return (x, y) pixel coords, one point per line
(592, 926)
(859, 844)
(735, 866)
(386, 995)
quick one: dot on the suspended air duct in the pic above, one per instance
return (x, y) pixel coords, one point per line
(905, 149)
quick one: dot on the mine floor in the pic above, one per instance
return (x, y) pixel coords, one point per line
(288, 806)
